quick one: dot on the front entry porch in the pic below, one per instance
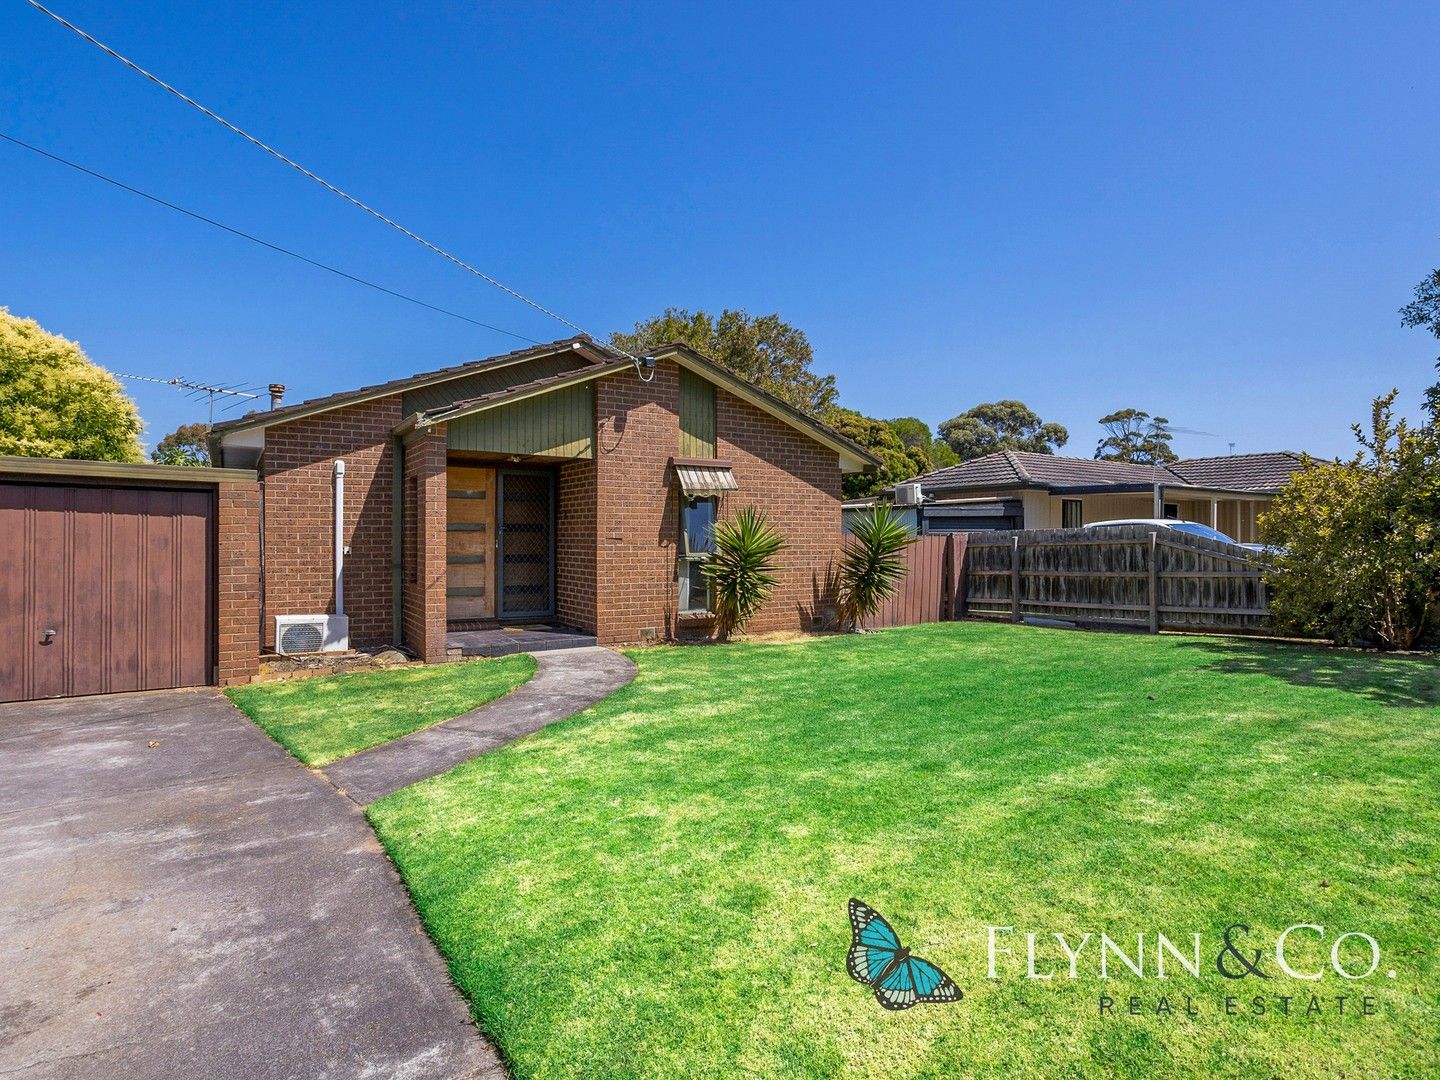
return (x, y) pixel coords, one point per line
(508, 639)
(499, 544)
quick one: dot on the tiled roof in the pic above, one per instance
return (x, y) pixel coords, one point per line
(1018, 468)
(394, 386)
(1022, 469)
(1240, 472)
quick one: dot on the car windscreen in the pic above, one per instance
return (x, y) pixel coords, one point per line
(1194, 528)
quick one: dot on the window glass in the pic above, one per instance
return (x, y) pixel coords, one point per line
(694, 588)
(1070, 513)
(697, 541)
(698, 524)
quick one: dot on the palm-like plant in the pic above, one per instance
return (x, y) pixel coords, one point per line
(872, 565)
(741, 571)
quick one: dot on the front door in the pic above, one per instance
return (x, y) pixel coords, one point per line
(470, 543)
(527, 535)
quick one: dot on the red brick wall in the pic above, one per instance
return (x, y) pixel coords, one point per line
(637, 512)
(238, 574)
(794, 479)
(796, 482)
(299, 477)
(424, 565)
(575, 545)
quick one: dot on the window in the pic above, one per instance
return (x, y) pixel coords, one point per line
(697, 541)
(1071, 513)
(1172, 511)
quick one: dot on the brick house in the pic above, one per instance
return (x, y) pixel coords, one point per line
(558, 484)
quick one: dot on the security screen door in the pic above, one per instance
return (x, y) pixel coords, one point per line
(527, 534)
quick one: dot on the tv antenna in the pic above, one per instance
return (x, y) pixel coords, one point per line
(195, 391)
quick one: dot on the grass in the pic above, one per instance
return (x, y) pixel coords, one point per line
(657, 888)
(324, 719)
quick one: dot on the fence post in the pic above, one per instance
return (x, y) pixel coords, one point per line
(1015, 579)
(1154, 583)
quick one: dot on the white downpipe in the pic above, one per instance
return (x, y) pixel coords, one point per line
(339, 538)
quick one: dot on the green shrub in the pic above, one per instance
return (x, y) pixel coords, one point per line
(872, 566)
(1358, 542)
(741, 571)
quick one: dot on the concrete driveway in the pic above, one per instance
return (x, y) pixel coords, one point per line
(179, 897)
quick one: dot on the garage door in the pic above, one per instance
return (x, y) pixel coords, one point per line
(104, 589)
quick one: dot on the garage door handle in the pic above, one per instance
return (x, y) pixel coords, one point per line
(47, 636)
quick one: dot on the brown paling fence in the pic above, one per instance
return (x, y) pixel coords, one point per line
(932, 589)
(1128, 576)
(1133, 576)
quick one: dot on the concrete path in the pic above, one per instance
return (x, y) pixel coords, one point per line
(180, 898)
(566, 682)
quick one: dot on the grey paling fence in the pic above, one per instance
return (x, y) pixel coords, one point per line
(1131, 576)
(933, 589)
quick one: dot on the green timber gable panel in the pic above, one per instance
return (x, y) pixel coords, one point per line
(488, 381)
(697, 416)
(560, 423)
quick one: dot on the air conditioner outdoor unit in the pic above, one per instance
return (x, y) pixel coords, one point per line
(311, 634)
(909, 495)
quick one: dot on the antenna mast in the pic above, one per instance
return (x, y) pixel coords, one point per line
(195, 390)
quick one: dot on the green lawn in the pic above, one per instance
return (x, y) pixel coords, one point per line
(323, 719)
(658, 887)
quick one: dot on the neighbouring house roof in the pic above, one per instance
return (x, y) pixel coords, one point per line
(1051, 472)
(598, 360)
(1241, 472)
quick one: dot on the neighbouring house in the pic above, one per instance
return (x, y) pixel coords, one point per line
(560, 484)
(1020, 490)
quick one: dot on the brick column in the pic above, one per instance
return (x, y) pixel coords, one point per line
(237, 599)
(425, 566)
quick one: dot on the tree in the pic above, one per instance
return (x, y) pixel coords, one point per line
(763, 349)
(741, 571)
(1424, 312)
(1357, 544)
(1001, 425)
(871, 567)
(54, 402)
(186, 445)
(1136, 436)
(916, 435)
(897, 461)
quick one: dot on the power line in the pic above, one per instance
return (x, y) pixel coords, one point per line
(312, 176)
(257, 240)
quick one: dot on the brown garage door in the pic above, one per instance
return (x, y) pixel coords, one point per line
(104, 589)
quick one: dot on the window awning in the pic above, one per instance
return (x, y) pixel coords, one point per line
(702, 478)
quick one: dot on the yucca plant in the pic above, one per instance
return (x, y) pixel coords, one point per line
(872, 565)
(741, 571)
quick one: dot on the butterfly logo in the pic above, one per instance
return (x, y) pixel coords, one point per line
(878, 960)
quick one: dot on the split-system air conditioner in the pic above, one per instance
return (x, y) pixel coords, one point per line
(311, 634)
(909, 494)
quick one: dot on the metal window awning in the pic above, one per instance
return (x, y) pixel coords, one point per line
(699, 478)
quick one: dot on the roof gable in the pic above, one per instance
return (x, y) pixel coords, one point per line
(580, 347)
(853, 456)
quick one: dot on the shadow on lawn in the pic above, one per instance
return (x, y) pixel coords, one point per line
(1402, 681)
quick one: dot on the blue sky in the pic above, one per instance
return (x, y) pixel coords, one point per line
(1204, 211)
